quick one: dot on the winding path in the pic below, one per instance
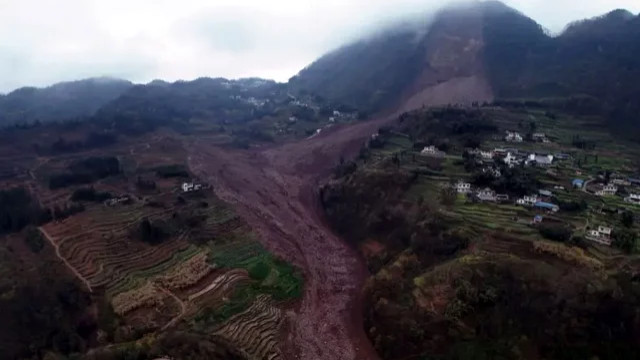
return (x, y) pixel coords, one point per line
(67, 264)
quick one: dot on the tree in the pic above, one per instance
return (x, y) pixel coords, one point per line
(448, 196)
(628, 218)
(626, 241)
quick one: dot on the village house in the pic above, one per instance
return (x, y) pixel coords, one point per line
(539, 160)
(634, 181)
(540, 137)
(500, 151)
(432, 151)
(495, 172)
(486, 194)
(527, 200)
(511, 160)
(513, 137)
(602, 235)
(462, 187)
(542, 205)
(118, 200)
(502, 197)
(559, 187)
(621, 182)
(633, 199)
(562, 156)
(190, 187)
(607, 190)
(577, 183)
(537, 219)
(486, 155)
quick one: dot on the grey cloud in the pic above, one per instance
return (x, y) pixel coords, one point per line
(43, 42)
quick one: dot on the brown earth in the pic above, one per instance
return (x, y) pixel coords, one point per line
(275, 190)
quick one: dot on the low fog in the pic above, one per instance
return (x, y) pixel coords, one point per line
(45, 41)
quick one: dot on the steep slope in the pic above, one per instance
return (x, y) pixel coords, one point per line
(404, 62)
(486, 49)
(62, 101)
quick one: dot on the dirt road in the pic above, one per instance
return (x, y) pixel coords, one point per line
(64, 260)
(275, 190)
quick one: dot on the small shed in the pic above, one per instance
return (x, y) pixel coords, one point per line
(578, 183)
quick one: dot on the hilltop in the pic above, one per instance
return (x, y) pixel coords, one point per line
(61, 101)
(492, 49)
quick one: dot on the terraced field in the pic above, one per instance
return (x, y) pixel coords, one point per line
(255, 330)
(97, 244)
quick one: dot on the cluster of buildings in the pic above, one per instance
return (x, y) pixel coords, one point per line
(541, 201)
(251, 100)
(513, 136)
(514, 157)
(337, 115)
(484, 195)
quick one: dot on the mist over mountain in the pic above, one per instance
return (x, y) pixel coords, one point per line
(508, 54)
(62, 101)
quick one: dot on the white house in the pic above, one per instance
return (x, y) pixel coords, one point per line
(486, 195)
(601, 236)
(462, 187)
(116, 201)
(189, 187)
(541, 137)
(486, 155)
(527, 200)
(513, 137)
(633, 199)
(607, 190)
(621, 182)
(432, 151)
(540, 160)
(604, 230)
(511, 160)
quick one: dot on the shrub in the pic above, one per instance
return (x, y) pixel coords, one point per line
(259, 271)
(556, 232)
(34, 240)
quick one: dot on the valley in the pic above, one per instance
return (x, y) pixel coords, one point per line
(459, 187)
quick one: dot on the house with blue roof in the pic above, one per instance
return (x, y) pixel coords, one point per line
(578, 183)
(546, 206)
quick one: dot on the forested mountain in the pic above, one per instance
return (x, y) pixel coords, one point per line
(61, 101)
(596, 57)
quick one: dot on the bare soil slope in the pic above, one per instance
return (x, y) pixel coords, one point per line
(275, 191)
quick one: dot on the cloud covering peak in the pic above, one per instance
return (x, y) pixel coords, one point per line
(46, 41)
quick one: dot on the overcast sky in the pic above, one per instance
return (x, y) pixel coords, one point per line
(46, 41)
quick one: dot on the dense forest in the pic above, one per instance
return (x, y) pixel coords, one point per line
(60, 102)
